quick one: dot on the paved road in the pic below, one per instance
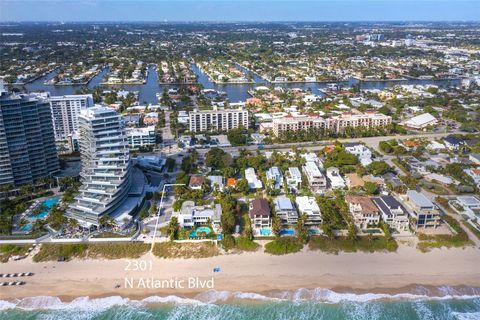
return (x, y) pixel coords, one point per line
(371, 142)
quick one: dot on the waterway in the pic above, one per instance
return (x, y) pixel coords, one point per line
(236, 92)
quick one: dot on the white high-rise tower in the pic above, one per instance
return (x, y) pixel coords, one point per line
(106, 166)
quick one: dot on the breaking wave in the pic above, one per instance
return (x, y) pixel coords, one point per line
(213, 297)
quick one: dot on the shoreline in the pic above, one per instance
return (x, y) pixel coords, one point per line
(358, 273)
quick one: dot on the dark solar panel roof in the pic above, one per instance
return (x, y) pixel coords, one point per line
(391, 201)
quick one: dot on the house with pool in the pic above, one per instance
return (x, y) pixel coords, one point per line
(192, 216)
(261, 215)
(285, 210)
(309, 207)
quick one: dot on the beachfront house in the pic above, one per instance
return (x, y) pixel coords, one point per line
(275, 177)
(364, 212)
(423, 210)
(193, 216)
(285, 210)
(309, 207)
(260, 214)
(392, 212)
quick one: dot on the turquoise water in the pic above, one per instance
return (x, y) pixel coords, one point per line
(27, 227)
(289, 232)
(238, 306)
(48, 203)
(265, 232)
(207, 230)
(313, 231)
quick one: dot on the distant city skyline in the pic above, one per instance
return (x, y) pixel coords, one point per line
(239, 10)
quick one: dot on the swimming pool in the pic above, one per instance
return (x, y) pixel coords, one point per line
(287, 232)
(314, 231)
(265, 232)
(48, 203)
(195, 233)
(26, 228)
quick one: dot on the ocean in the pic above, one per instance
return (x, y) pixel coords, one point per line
(302, 304)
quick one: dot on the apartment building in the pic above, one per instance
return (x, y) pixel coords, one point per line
(334, 124)
(217, 120)
(65, 112)
(27, 140)
(106, 165)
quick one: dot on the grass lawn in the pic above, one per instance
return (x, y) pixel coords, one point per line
(239, 244)
(472, 228)
(284, 245)
(343, 244)
(458, 240)
(8, 250)
(51, 252)
(130, 250)
(172, 250)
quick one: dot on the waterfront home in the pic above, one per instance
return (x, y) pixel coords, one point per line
(470, 206)
(392, 212)
(260, 214)
(363, 211)
(285, 210)
(193, 216)
(253, 181)
(274, 176)
(423, 210)
(309, 207)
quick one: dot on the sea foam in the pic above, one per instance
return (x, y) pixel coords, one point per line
(212, 297)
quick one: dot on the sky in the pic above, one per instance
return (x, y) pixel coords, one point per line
(239, 10)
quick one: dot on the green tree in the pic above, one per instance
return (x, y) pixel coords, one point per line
(173, 228)
(300, 228)
(276, 224)
(247, 227)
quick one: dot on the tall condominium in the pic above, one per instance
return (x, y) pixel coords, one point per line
(65, 112)
(217, 120)
(333, 124)
(106, 165)
(27, 142)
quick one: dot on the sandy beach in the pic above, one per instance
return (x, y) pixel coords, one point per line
(251, 272)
